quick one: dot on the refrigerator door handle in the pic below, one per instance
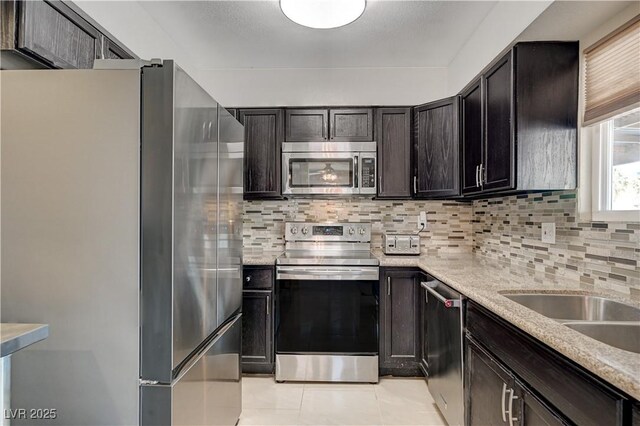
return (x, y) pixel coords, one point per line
(183, 368)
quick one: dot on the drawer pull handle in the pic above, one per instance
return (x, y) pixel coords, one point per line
(512, 397)
(504, 408)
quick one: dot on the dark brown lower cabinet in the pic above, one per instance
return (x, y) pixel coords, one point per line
(399, 341)
(536, 413)
(495, 397)
(486, 383)
(257, 333)
(257, 320)
(549, 388)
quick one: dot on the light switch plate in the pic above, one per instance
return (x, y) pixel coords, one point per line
(549, 233)
(422, 220)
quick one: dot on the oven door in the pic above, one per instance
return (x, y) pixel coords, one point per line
(328, 312)
(329, 173)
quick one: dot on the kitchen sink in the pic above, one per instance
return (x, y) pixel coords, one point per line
(621, 335)
(576, 307)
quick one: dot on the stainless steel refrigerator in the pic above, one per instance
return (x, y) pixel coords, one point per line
(121, 228)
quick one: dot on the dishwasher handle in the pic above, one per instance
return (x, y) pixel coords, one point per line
(448, 303)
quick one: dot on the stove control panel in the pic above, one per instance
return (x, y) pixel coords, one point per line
(345, 232)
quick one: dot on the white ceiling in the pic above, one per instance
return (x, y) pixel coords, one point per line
(256, 34)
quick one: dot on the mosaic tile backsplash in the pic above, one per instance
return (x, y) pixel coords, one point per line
(599, 254)
(449, 227)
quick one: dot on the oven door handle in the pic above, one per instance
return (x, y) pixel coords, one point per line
(350, 273)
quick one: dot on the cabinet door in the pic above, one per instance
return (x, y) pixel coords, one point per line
(399, 334)
(111, 50)
(489, 390)
(537, 413)
(351, 125)
(498, 165)
(471, 120)
(437, 145)
(257, 334)
(57, 35)
(393, 134)
(307, 125)
(262, 144)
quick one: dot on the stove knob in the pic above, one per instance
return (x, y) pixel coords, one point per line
(351, 231)
(305, 230)
(294, 230)
(362, 231)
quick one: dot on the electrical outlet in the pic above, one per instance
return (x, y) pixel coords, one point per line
(422, 221)
(549, 233)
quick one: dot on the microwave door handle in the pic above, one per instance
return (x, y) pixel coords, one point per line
(356, 171)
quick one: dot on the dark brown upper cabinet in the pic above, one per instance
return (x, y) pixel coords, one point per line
(111, 50)
(263, 132)
(336, 125)
(351, 125)
(49, 34)
(498, 166)
(307, 125)
(393, 135)
(436, 149)
(471, 135)
(53, 34)
(528, 118)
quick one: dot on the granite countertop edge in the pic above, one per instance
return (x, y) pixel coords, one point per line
(17, 336)
(485, 281)
(259, 257)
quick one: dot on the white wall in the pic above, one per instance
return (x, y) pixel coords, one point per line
(500, 27)
(132, 25)
(325, 86)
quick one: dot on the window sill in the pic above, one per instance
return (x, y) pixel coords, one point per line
(616, 216)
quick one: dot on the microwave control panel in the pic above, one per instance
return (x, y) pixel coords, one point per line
(368, 173)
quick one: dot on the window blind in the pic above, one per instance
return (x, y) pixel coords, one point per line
(612, 73)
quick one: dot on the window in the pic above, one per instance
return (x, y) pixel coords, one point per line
(618, 167)
(612, 109)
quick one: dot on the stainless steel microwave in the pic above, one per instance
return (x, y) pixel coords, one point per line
(329, 168)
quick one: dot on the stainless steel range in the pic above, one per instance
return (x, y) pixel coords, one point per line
(327, 298)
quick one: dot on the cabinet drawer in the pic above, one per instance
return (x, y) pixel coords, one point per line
(257, 278)
(582, 398)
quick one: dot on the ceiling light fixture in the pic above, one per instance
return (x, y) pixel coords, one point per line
(323, 14)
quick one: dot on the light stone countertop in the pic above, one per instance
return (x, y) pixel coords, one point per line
(485, 280)
(17, 336)
(254, 257)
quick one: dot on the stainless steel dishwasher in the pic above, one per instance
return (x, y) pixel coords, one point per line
(445, 325)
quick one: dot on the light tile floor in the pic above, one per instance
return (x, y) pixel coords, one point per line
(393, 401)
